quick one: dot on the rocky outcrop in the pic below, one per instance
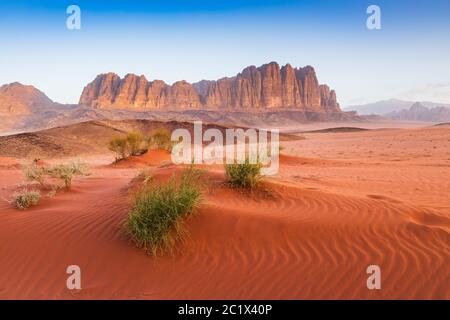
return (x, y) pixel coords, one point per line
(109, 91)
(16, 98)
(328, 99)
(18, 102)
(266, 88)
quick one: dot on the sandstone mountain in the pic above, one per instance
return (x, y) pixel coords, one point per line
(418, 112)
(262, 89)
(264, 96)
(19, 99)
(19, 103)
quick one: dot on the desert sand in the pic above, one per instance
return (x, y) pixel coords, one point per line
(342, 201)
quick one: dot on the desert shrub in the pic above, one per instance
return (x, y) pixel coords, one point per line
(33, 172)
(26, 198)
(145, 176)
(155, 222)
(119, 146)
(134, 143)
(244, 175)
(53, 191)
(131, 145)
(66, 172)
(161, 138)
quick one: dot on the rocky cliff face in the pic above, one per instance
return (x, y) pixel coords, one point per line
(266, 88)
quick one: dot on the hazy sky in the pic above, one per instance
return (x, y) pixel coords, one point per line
(408, 58)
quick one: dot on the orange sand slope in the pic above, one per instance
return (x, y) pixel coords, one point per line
(336, 209)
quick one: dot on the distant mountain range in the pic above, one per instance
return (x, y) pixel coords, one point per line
(32, 116)
(268, 95)
(255, 89)
(418, 112)
(387, 106)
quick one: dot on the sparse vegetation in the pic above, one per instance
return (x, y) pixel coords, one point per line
(118, 145)
(161, 138)
(156, 220)
(54, 190)
(245, 175)
(35, 173)
(134, 144)
(43, 175)
(145, 176)
(26, 198)
(66, 172)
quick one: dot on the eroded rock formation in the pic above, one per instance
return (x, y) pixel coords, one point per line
(266, 88)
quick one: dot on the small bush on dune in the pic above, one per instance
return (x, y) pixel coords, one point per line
(161, 138)
(66, 172)
(131, 145)
(118, 145)
(134, 141)
(135, 144)
(156, 220)
(244, 175)
(25, 199)
(33, 172)
(145, 176)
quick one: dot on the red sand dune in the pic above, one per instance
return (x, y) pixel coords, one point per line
(153, 158)
(329, 218)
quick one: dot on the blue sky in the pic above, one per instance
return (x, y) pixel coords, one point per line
(193, 40)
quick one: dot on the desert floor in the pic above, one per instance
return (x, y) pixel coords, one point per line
(342, 201)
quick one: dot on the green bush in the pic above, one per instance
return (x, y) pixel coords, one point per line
(161, 138)
(66, 172)
(119, 146)
(131, 145)
(25, 199)
(244, 175)
(155, 222)
(134, 141)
